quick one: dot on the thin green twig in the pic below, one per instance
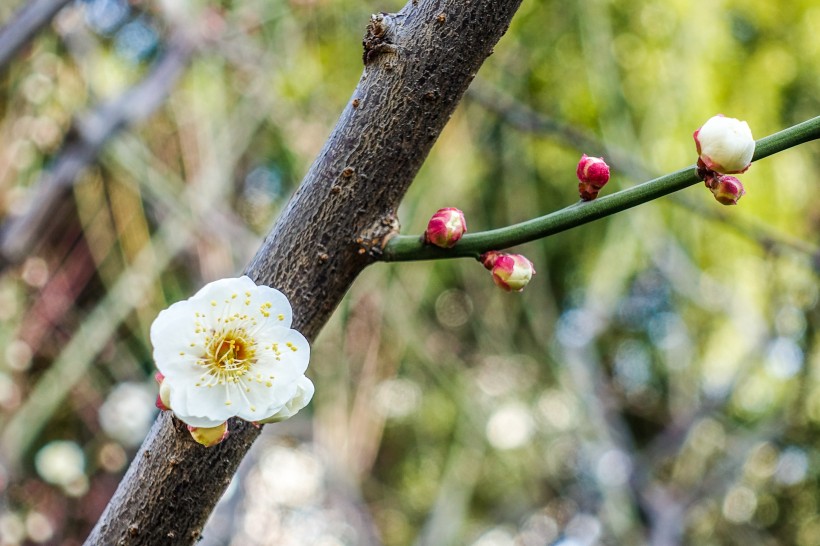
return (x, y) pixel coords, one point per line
(404, 248)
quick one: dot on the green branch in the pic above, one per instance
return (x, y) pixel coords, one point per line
(404, 248)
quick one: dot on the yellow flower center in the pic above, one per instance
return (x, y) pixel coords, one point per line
(228, 350)
(229, 354)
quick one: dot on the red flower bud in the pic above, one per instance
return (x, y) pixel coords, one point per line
(511, 272)
(593, 174)
(445, 228)
(726, 189)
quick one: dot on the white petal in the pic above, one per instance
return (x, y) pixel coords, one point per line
(270, 306)
(244, 303)
(219, 289)
(263, 390)
(287, 392)
(179, 405)
(178, 361)
(221, 299)
(302, 397)
(198, 422)
(178, 367)
(174, 328)
(259, 399)
(285, 359)
(211, 402)
(177, 344)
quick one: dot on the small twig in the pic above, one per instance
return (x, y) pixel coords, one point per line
(24, 25)
(523, 118)
(410, 247)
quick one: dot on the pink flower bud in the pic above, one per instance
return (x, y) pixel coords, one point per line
(445, 228)
(209, 436)
(726, 189)
(725, 145)
(512, 272)
(164, 397)
(593, 174)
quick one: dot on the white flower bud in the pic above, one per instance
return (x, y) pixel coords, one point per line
(725, 145)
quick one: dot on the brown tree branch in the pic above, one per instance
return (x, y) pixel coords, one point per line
(25, 24)
(418, 63)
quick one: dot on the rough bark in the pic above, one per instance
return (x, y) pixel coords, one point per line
(418, 63)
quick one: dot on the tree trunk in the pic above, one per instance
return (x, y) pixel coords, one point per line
(418, 64)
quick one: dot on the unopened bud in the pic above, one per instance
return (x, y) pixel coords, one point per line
(512, 272)
(164, 397)
(726, 189)
(445, 228)
(725, 145)
(209, 436)
(593, 174)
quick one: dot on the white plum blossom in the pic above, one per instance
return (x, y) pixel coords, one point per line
(229, 351)
(725, 145)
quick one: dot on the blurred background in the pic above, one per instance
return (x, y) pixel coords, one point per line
(657, 383)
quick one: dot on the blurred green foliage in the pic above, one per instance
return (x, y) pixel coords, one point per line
(657, 383)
